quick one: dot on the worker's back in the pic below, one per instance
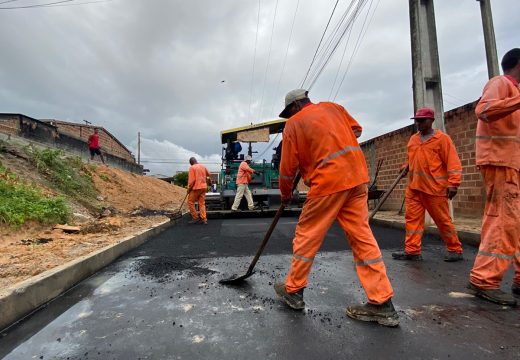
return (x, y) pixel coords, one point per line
(320, 140)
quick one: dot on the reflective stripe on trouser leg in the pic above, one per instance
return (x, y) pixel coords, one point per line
(192, 197)
(202, 203)
(439, 210)
(414, 222)
(500, 227)
(316, 218)
(370, 268)
(238, 196)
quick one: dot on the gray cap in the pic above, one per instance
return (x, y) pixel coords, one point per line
(248, 158)
(292, 96)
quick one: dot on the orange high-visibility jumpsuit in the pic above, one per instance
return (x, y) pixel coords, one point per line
(197, 184)
(434, 166)
(498, 157)
(320, 140)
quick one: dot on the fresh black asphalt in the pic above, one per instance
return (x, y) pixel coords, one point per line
(163, 301)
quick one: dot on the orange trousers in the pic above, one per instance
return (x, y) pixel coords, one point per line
(500, 234)
(197, 196)
(416, 203)
(350, 209)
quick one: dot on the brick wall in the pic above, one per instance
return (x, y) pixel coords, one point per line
(460, 125)
(107, 143)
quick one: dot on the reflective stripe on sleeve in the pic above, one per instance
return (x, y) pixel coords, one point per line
(339, 153)
(499, 256)
(455, 171)
(499, 137)
(303, 258)
(285, 177)
(369, 261)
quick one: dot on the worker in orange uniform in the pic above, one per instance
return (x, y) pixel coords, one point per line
(197, 186)
(435, 174)
(244, 175)
(320, 141)
(498, 157)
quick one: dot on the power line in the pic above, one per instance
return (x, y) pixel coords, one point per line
(318, 47)
(285, 57)
(268, 59)
(254, 61)
(35, 5)
(8, 1)
(358, 43)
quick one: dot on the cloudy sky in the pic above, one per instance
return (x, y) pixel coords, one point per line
(179, 72)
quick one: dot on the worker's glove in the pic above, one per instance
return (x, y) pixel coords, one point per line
(405, 168)
(188, 190)
(451, 192)
(286, 200)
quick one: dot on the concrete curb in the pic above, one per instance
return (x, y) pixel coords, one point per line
(465, 237)
(24, 298)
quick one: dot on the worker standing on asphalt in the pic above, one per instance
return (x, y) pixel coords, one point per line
(498, 157)
(435, 174)
(197, 186)
(320, 141)
(243, 179)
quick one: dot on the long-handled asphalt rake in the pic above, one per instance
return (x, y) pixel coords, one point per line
(177, 214)
(235, 279)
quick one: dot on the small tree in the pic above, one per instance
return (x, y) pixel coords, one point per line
(181, 179)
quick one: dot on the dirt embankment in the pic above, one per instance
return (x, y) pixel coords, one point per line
(123, 198)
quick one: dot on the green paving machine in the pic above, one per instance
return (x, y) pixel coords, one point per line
(264, 184)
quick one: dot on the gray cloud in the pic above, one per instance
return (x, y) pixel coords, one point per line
(156, 66)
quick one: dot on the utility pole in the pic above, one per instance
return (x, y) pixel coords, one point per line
(427, 88)
(138, 148)
(489, 38)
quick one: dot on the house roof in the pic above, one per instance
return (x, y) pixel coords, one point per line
(57, 122)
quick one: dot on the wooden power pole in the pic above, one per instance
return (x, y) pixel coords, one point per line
(138, 148)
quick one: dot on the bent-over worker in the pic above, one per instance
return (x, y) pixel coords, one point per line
(435, 173)
(320, 141)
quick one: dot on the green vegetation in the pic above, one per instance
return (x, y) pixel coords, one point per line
(181, 179)
(22, 202)
(66, 174)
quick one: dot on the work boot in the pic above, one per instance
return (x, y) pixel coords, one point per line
(402, 255)
(496, 296)
(452, 256)
(383, 314)
(515, 289)
(194, 221)
(204, 222)
(293, 300)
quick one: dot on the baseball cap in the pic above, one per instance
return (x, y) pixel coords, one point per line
(248, 158)
(292, 96)
(424, 113)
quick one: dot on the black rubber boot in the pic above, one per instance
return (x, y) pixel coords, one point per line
(515, 289)
(401, 255)
(383, 314)
(496, 296)
(293, 300)
(194, 221)
(453, 256)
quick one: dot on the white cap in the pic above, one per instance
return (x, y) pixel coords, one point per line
(248, 158)
(292, 96)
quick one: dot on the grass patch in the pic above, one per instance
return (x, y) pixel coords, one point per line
(67, 174)
(22, 202)
(104, 177)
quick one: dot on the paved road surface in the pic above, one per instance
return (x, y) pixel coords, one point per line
(163, 301)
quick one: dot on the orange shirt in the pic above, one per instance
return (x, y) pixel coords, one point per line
(320, 140)
(244, 173)
(197, 177)
(434, 164)
(498, 126)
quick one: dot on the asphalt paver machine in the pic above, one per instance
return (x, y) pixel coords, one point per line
(239, 142)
